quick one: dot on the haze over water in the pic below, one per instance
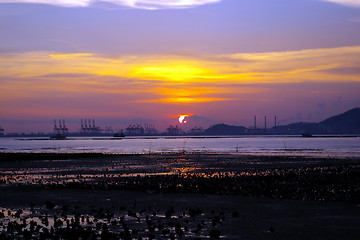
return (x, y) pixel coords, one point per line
(333, 146)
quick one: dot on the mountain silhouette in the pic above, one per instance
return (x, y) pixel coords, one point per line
(223, 129)
(345, 123)
(348, 122)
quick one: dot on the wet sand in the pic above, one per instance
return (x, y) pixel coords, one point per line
(242, 197)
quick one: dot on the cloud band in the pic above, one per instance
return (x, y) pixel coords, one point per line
(350, 3)
(140, 4)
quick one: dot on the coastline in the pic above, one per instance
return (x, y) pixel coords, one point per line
(334, 147)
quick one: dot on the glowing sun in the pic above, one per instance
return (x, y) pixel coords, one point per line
(182, 119)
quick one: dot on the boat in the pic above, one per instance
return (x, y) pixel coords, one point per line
(58, 136)
(120, 134)
(306, 135)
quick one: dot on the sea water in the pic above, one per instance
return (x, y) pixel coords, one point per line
(333, 146)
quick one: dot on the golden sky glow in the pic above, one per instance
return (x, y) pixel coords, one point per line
(306, 65)
(168, 79)
(146, 61)
(176, 71)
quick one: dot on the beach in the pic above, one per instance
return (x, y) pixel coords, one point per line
(178, 196)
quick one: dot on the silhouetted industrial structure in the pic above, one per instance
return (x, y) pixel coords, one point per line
(88, 127)
(196, 131)
(255, 129)
(345, 123)
(134, 130)
(275, 121)
(61, 128)
(150, 129)
(174, 130)
(108, 130)
(265, 123)
(119, 134)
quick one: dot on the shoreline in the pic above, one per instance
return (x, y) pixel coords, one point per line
(334, 147)
(24, 155)
(111, 137)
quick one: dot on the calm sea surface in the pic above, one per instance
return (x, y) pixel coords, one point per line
(264, 145)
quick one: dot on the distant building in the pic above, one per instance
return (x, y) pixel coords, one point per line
(108, 130)
(196, 130)
(135, 130)
(88, 127)
(174, 130)
(61, 128)
(1, 131)
(150, 129)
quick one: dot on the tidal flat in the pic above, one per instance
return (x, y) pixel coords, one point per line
(177, 196)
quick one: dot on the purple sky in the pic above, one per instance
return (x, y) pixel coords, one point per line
(149, 61)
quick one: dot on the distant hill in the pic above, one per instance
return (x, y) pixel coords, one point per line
(297, 128)
(223, 129)
(345, 123)
(348, 122)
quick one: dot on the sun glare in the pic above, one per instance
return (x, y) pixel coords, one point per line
(182, 119)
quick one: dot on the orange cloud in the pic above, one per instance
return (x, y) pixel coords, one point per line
(171, 79)
(281, 67)
(185, 100)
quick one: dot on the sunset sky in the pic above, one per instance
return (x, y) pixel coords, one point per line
(148, 61)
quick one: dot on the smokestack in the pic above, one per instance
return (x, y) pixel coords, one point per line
(265, 122)
(255, 121)
(275, 121)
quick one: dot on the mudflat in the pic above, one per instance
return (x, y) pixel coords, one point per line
(178, 196)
